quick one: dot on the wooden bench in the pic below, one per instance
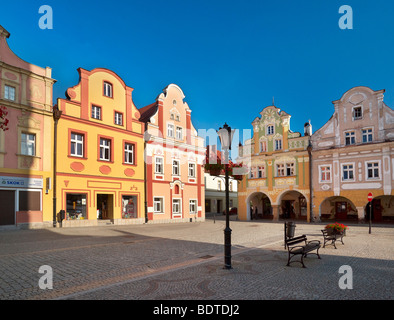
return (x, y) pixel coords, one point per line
(302, 250)
(333, 237)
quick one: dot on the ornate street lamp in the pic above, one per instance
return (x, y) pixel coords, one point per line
(226, 136)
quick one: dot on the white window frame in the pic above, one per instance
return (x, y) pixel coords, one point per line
(263, 146)
(278, 143)
(76, 142)
(379, 177)
(170, 133)
(366, 134)
(160, 201)
(261, 169)
(281, 168)
(118, 118)
(103, 148)
(108, 89)
(161, 164)
(178, 166)
(290, 166)
(96, 112)
(191, 201)
(353, 170)
(321, 171)
(179, 133)
(351, 136)
(354, 111)
(27, 143)
(177, 202)
(268, 130)
(129, 153)
(191, 170)
(9, 92)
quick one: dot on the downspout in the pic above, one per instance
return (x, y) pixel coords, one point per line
(56, 116)
(309, 148)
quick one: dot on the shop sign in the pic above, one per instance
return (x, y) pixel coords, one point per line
(20, 182)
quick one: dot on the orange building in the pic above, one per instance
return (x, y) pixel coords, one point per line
(100, 148)
(174, 158)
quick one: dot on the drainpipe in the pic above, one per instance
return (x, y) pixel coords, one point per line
(309, 148)
(146, 139)
(56, 116)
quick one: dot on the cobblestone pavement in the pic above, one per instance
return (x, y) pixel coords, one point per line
(185, 261)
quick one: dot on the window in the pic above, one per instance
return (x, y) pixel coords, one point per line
(29, 200)
(158, 206)
(263, 146)
(96, 112)
(270, 129)
(105, 149)
(192, 170)
(325, 174)
(230, 186)
(176, 206)
(129, 153)
(76, 206)
(261, 172)
(252, 173)
(193, 206)
(350, 138)
(107, 89)
(159, 168)
(372, 170)
(280, 169)
(170, 131)
(357, 113)
(28, 144)
(347, 172)
(175, 167)
(367, 135)
(129, 207)
(76, 145)
(290, 169)
(179, 133)
(278, 144)
(219, 185)
(9, 93)
(118, 118)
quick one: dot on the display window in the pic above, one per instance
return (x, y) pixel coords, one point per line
(76, 207)
(129, 207)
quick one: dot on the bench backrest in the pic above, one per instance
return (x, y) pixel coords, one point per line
(296, 240)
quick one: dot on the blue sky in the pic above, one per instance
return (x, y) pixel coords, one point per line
(229, 57)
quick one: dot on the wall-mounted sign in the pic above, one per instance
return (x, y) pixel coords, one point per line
(20, 182)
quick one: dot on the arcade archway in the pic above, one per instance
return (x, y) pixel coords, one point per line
(338, 208)
(381, 208)
(259, 206)
(293, 205)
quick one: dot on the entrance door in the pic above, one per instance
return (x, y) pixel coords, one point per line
(105, 206)
(376, 210)
(219, 206)
(7, 212)
(341, 210)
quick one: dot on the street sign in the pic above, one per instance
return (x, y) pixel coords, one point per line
(370, 196)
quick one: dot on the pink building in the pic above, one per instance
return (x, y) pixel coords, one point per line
(26, 148)
(174, 157)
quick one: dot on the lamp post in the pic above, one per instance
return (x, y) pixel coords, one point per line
(226, 136)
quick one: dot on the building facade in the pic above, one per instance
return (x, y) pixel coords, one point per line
(174, 158)
(26, 147)
(215, 193)
(353, 155)
(278, 183)
(100, 148)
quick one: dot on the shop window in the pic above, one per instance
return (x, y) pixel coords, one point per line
(76, 206)
(129, 207)
(29, 201)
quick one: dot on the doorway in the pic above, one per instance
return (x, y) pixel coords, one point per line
(105, 205)
(7, 213)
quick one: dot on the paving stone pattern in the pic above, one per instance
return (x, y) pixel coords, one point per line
(185, 261)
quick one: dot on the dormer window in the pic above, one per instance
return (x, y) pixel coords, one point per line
(108, 89)
(357, 113)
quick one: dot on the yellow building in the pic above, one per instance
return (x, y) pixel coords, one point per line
(278, 183)
(100, 152)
